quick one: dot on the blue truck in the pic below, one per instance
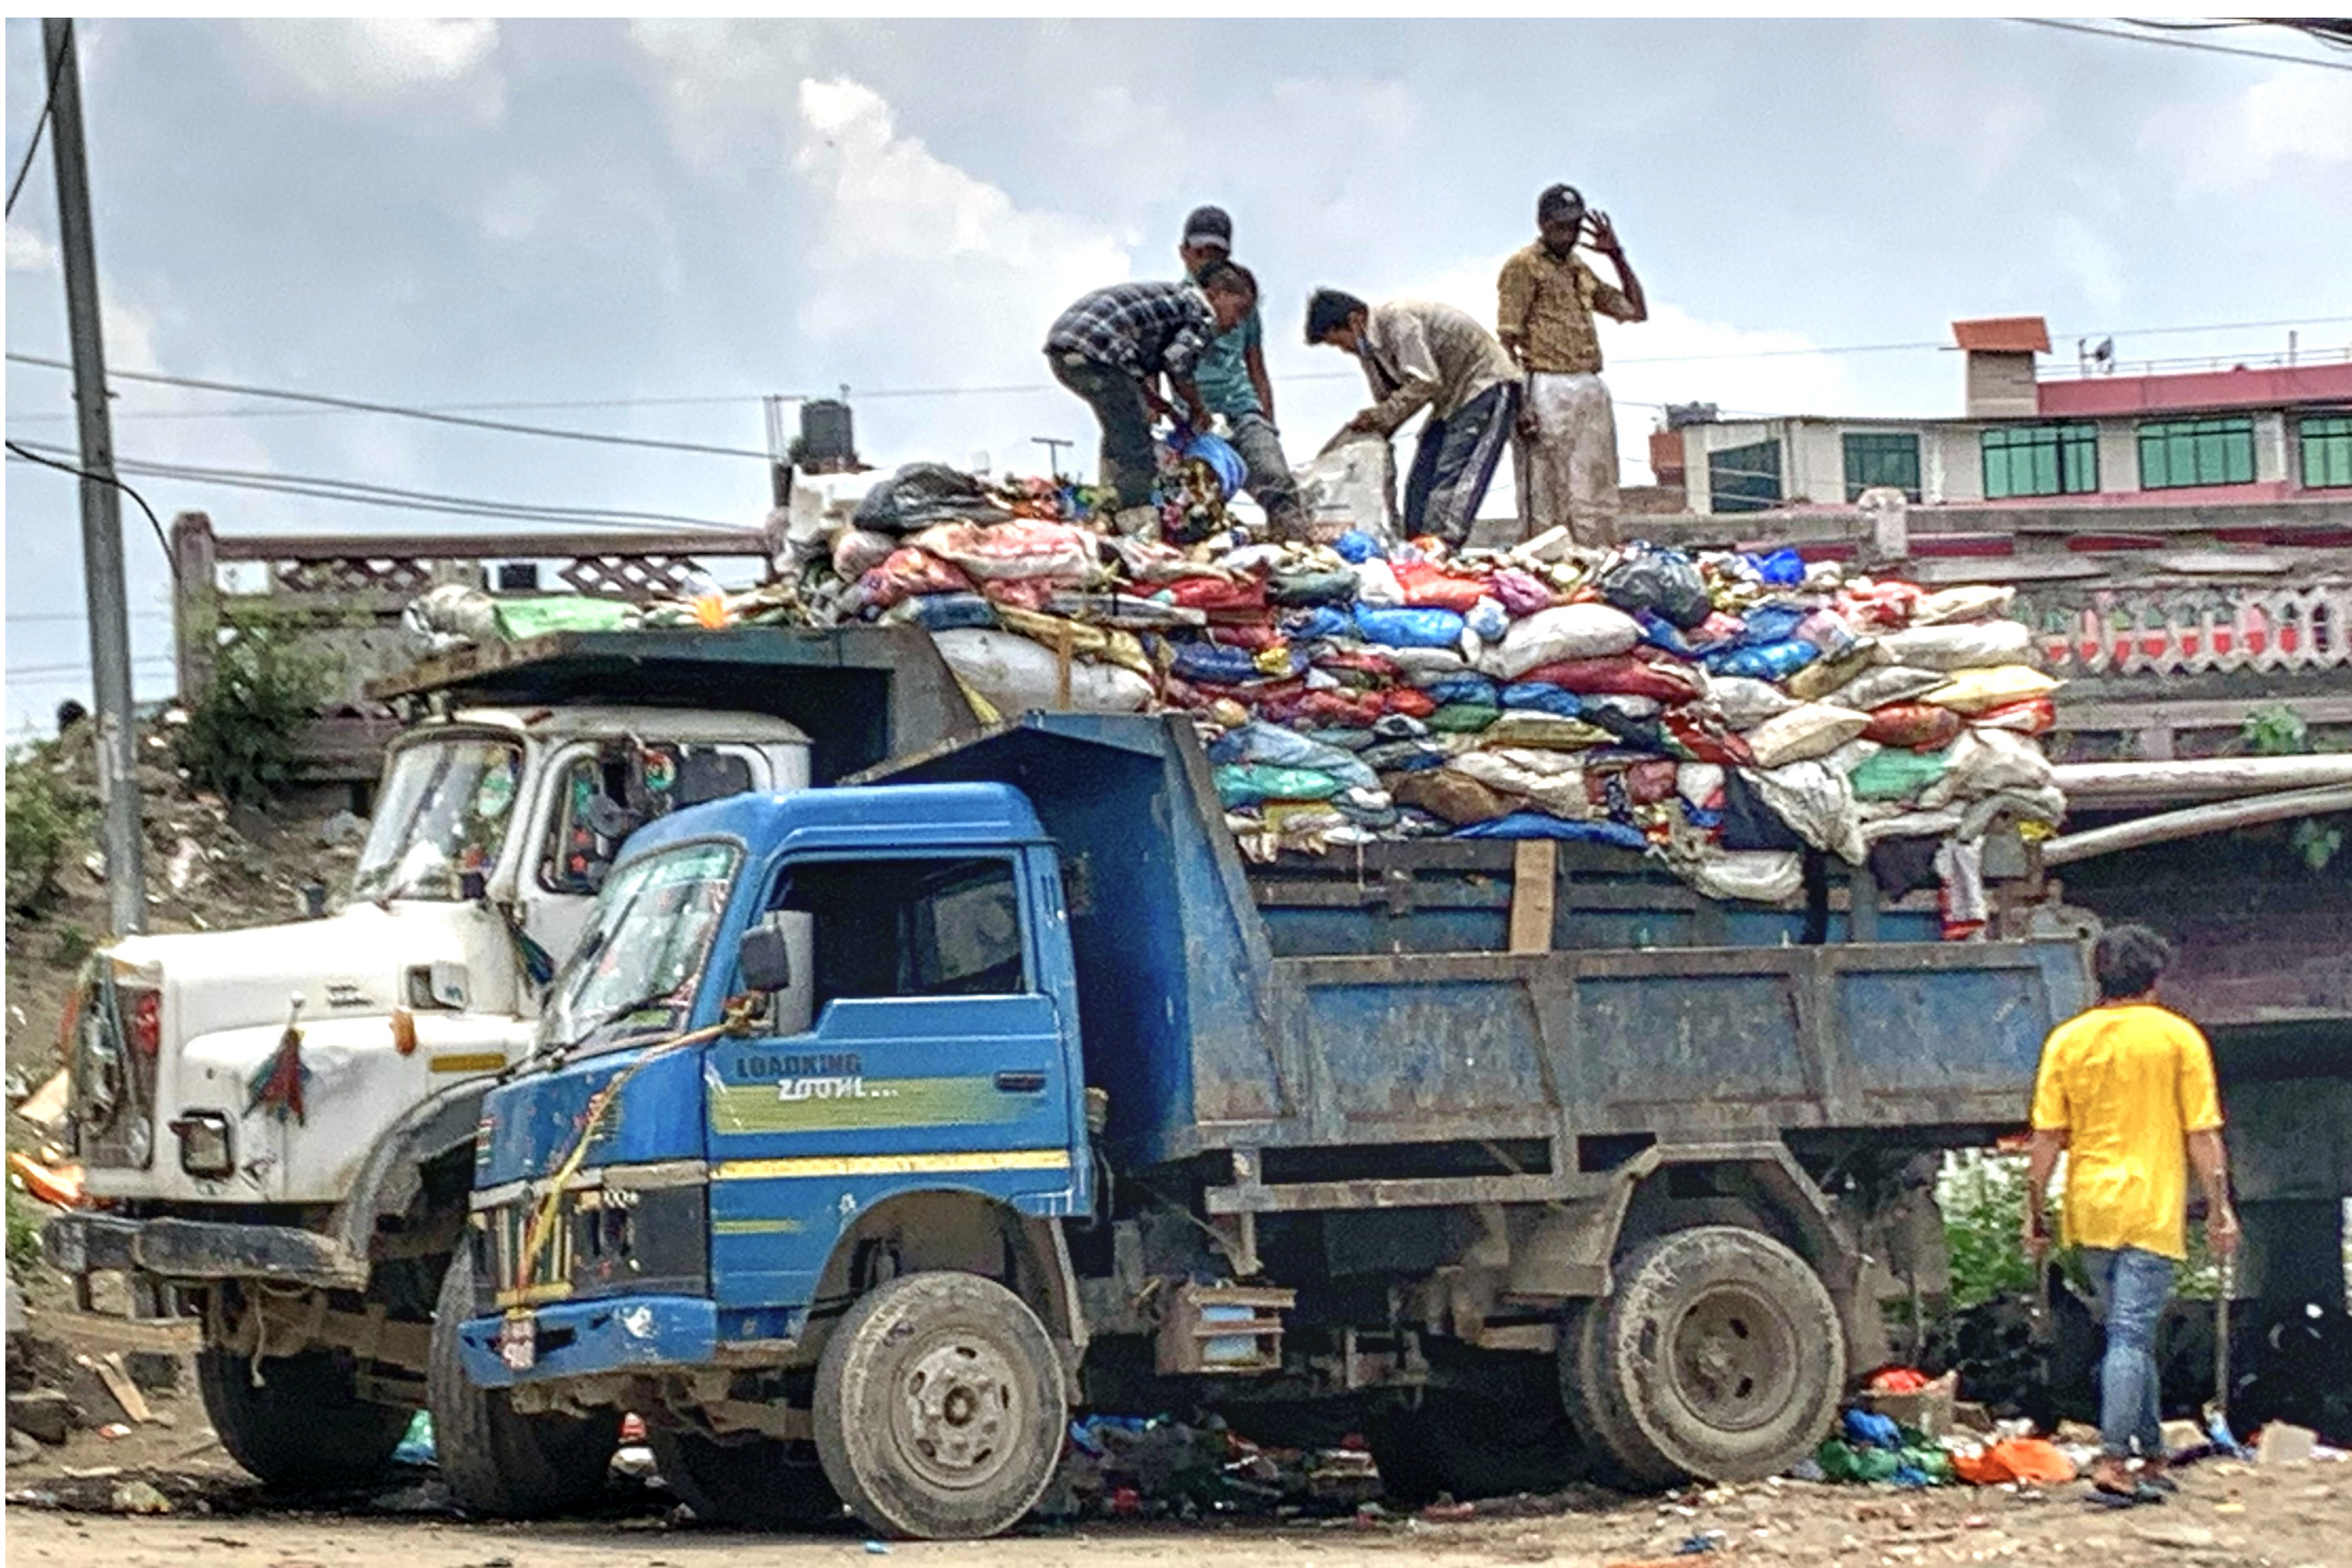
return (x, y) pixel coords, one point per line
(872, 1130)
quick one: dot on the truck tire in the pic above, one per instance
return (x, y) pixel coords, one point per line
(1720, 1357)
(760, 1483)
(497, 1460)
(1464, 1447)
(305, 1428)
(940, 1407)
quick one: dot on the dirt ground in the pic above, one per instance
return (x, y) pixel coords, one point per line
(65, 1509)
(2227, 1517)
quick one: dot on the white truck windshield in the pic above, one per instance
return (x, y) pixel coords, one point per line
(641, 956)
(443, 814)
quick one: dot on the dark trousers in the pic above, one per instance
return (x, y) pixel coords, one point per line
(1455, 461)
(1117, 398)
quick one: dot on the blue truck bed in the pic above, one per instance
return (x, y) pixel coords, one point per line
(1363, 1015)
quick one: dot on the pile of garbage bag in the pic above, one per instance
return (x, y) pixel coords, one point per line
(1728, 712)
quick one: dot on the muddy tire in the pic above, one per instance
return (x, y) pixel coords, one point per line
(760, 1483)
(497, 1460)
(940, 1407)
(305, 1428)
(1464, 1446)
(1720, 1357)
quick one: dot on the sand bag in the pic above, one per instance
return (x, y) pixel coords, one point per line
(1974, 645)
(1975, 690)
(1015, 675)
(1565, 631)
(1807, 730)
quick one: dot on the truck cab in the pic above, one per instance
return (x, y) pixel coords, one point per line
(276, 1123)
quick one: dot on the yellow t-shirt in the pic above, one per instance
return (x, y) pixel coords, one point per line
(2126, 1084)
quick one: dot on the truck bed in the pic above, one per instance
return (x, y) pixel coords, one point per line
(1323, 1022)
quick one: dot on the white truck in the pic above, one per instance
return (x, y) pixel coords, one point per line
(277, 1124)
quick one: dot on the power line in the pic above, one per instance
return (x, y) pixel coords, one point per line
(402, 410)
(49, 103)
(250, 413)
(362, 493)
(2184, 44)
(77, 471)
(16, 670)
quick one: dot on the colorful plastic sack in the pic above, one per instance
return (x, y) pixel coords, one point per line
(1218, 594)
(907, 573)
(1746, 702)
(1520, 593)
(1522, 728)
(1542, 698)
(1562, 632)
(1807, 730)
(1451, 796)
(947, 612)
(1976, 690)
(2033, 716)
(1772, 661)
(1554, 781)
(1973, 602)
(1427, 588)
(1918, 726)
(1462, 717)
(1829, 676)
(2035, 1461)
(1667, 582)
(1319, 624)
(858, 550)
(1015, 675)
(1023, 547)
(1409, 627)
(1888, 683)
(1621, 673)
(1538, 825)
(1311, 587)
(1199, 661)
(1896, 774)
(1975, 644)
(1407, 702)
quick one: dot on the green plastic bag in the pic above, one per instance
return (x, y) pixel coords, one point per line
(1896, 774)
(520, 618)
(1255, 784)
(1462, 717)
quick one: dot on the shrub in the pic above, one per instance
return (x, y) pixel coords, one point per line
(48, 820)
(242, 733)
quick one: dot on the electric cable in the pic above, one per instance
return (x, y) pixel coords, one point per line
(2184, 44)
(49, 105)
(163, 541)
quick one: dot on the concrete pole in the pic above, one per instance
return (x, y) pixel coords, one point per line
(101, 505)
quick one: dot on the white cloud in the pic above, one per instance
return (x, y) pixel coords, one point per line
(2094, 264)
(1982, 119)
(371, 64)
(910, 249)
(513, 210)
(29, 251)
(727, 88)
(2293, 116)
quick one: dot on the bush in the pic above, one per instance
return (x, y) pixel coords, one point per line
(24, 1234)
(2278, 730)
(242, 733)
(48, 821)
(1983, 1200)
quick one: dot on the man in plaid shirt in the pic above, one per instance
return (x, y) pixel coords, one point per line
(1112, 347)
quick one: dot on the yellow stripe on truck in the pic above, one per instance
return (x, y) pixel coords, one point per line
(893, 1164)
(465, 1061)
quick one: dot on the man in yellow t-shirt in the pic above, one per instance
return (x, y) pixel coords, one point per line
(2126, 1092)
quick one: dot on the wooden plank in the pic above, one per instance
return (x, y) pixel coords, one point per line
(1534, 876)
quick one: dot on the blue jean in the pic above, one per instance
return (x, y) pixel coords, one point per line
(2128, 1289)
(1269, 477)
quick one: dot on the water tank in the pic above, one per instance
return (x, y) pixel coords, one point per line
(828, 443)
(1680, 414)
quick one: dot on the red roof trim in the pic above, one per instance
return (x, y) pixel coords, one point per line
(2003, 335)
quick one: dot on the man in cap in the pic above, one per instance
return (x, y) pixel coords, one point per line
(1418, 355)
(1232, 381)
(1567, 454)
(1113, 346)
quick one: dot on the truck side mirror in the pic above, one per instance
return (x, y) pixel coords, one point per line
(762, 962)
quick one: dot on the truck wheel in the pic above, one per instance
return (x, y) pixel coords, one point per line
(760, 1483)
(940, 1407)
(1466, 1447)
(1721, 1356)
(497, 1460)
(305, 1428)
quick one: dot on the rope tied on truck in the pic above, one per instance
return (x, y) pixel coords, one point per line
(735, 1019)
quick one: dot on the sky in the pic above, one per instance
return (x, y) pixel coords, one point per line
(436, 212)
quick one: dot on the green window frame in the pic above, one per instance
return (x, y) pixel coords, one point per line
(2327, 442)
(2039, 461)
(1744, 478)
(2175, 454)
(1882, 457)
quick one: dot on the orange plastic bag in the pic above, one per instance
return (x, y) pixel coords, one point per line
(2034, 1460)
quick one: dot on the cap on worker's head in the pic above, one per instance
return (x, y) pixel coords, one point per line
(1559, 201)
(1328, 309)
(1209, 229)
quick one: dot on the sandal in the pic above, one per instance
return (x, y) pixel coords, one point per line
(2138, 1497)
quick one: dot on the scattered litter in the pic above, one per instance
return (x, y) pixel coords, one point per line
(2281, 1443)
(877, 1549)
(416, 1446)
(138, 1497)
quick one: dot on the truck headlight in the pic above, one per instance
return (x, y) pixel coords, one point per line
(206, 1146)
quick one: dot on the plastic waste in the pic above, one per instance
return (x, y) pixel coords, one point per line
(1016, 675)
(1646, 577)
(1409, 627)
(1746, 701)
(1972, 646)
(1543, 698)
(1565, 631)
(1255, 784)
(922, 494)
(1809, 729)
(1350, 487)
(1770, 662)
(1997, 686)
(1536, 824)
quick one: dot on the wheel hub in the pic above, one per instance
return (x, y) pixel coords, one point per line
(1733, 1359)
(957, 1407)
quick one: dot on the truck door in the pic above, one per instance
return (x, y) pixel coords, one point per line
(932, 1059)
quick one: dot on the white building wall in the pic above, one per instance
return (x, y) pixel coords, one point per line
(2119, 455)
(2270, 452)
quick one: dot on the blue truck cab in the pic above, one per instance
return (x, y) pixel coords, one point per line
(872, 1129)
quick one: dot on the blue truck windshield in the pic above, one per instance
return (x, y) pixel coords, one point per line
(639, 962)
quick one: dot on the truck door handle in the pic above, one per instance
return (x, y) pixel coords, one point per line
(1021, 1082)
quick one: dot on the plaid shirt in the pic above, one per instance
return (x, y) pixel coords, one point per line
(1140, 328)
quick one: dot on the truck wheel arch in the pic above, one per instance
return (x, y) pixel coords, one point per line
(390, 1180)
(960, 1230)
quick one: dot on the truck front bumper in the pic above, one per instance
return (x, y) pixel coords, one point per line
(579, 1339)
(187, 1249)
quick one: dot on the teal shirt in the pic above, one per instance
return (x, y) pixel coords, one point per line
(1222, 373)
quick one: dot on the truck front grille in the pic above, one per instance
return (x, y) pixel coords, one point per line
(603, 1241)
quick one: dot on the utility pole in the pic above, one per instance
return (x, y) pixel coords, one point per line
(101, 505)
